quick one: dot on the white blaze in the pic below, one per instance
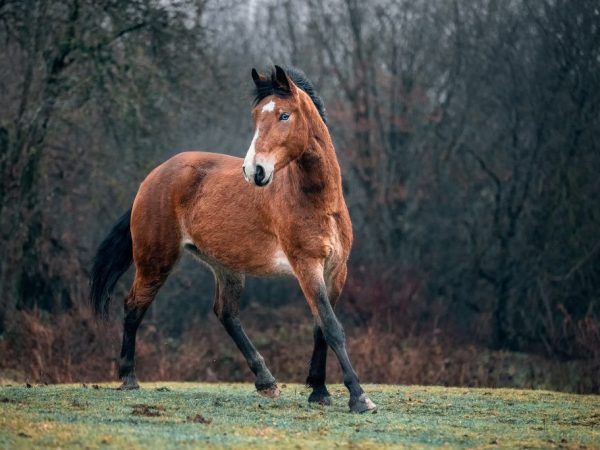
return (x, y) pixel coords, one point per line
(252, 160)
(249, 167)
(269, 107)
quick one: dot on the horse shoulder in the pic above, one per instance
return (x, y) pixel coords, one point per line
(317, 234)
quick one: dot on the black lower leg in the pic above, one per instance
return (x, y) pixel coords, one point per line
(317, 371)
(133, 318)
(229, 289)
(336, 339)
(264, 378)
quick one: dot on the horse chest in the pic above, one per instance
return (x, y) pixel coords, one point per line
(321, 241)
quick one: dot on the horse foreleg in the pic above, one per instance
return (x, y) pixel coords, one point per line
(318, 362)
(227, 298)
(311, 281)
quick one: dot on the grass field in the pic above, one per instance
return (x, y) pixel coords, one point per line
(233, 416)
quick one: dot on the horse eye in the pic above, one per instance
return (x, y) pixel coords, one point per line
(284, 116)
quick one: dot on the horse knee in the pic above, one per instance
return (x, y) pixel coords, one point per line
(331, 327)
(334, 333)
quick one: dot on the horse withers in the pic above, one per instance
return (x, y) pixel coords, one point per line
(279, 212)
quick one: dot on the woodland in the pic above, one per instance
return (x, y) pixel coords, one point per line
(468, 132)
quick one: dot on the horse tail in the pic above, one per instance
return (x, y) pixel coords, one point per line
(113, 258)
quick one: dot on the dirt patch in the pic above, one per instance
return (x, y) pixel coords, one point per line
(147, 410)
(199, 418)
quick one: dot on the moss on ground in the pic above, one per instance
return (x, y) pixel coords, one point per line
(164, 415)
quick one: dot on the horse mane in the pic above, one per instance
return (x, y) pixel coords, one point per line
(267, 86)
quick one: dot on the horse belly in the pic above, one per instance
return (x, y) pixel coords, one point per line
(244, 250)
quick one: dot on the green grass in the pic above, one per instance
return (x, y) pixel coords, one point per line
(408, 417)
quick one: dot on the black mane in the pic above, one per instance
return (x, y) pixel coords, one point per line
(265, 87)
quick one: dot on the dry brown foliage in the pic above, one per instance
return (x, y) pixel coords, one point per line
(74, 347)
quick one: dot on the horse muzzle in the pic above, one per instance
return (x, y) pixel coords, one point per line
(261, 178)
(259, 175)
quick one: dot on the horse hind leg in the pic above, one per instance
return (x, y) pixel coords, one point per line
(143, 291)
(227, 298)
(316, 373)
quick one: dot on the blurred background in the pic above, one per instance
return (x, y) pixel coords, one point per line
(468, 132)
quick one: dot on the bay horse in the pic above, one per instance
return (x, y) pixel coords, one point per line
(288, 218)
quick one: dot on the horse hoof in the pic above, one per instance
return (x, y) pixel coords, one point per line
(362, 404)
(320, 399)
(270, 392)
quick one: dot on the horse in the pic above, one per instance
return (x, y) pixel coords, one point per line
(278, 212)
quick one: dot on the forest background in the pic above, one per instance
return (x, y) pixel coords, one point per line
(468, 133)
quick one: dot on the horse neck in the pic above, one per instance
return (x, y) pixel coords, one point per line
(316, 172)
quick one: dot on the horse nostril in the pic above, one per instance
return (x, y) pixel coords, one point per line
(244, 170)
(259, 176)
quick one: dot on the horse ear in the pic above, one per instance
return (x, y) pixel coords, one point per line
(281, 80)
(256, 77)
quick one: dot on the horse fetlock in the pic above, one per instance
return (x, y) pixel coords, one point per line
(316, 381)
(361, 404)
(130, 382)
(126, 367)
(352, 382)
(320, 395)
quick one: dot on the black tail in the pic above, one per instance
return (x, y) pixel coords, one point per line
(113, 258)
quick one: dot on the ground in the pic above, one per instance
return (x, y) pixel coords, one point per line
(163, 415)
